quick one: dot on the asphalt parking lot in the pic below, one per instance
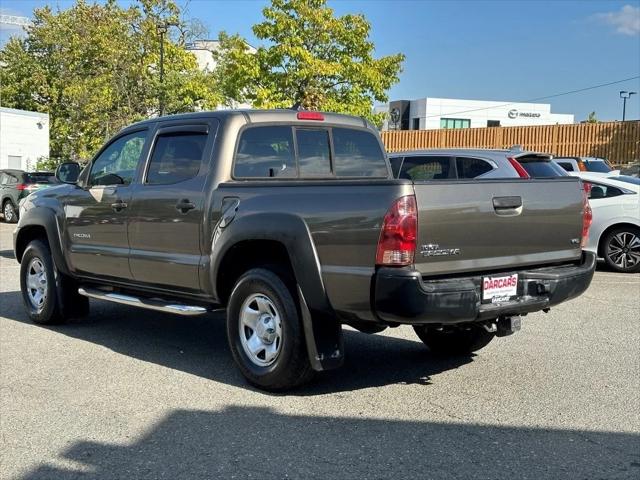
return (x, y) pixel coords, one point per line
(134, 395)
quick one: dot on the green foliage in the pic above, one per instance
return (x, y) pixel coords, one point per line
(94, 69)
(311, 58)
(592, 118)
(47, 164)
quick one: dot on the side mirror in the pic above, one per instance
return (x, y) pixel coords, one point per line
(68, 172)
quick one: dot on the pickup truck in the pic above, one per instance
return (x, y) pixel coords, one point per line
(292, 222)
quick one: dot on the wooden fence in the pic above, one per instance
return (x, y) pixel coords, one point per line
(617, 141)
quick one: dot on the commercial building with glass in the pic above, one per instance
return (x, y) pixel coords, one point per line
(435, 113)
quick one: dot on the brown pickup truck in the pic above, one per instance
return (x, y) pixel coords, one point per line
(293, 222)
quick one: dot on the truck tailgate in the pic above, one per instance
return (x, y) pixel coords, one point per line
(497, 224)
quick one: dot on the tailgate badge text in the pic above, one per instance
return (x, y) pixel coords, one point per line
(434, 250)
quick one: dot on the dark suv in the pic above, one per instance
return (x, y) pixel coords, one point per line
(17, 184)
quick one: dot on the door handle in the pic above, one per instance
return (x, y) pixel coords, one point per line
(184, 205)
(507, 206)
(118, 206)
(507, 202)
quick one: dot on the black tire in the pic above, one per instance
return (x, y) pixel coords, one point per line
(9, 212)
(291, 366)
(61, 300)
(621, 249)
(449, 341)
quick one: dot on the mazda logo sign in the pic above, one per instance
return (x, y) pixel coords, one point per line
(513, 113)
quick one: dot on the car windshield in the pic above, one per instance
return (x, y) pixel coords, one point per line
(597, 165)
(626, 179)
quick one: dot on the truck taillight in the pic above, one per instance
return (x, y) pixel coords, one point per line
(587, 218)
(21, 186)
(522, 173)
(397, 243)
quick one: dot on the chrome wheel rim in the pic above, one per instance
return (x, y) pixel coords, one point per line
(8, 212)
(624, 250)
(260, 329)
(36, 283)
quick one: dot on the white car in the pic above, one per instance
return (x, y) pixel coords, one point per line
(576, 165)
(615, 231)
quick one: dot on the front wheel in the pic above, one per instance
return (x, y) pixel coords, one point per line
(265, 333)
(48, 296)
(461, 340)
(621, 248)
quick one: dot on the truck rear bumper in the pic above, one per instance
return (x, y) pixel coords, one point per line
(403, 296)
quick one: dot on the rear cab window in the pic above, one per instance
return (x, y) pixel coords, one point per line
(314, 152)
(265, 152)
(358, 154)
(297, 151)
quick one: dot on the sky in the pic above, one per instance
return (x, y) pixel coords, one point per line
(473, 49)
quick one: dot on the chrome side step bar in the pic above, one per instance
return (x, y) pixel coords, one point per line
(188, 310)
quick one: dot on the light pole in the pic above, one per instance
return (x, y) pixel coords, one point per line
(624, 95)
(162, 28)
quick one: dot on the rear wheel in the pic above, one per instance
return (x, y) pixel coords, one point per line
(454, 340)
(621, 249)
(48, 296)
(9, 212)
(265, 333)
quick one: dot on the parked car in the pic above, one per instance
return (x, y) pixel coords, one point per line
(574, 165)
(292, 222)
(615, 231)
(16, 185)
(463, 163)
(631, 170)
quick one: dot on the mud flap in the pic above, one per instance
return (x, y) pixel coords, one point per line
(323, 337)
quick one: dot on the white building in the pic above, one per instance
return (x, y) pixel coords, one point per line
(203, 51)
(24, 138)
(435, 113)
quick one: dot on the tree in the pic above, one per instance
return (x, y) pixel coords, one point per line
(93, 68)
(592, 118)
(311, 58)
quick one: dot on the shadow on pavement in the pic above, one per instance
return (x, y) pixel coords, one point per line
(7, 254)
(242, 442)
(198, 346)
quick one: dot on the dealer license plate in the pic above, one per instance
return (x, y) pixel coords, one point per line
(499, 289)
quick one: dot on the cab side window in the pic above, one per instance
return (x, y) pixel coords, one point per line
(176, 157)
(117, 164)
